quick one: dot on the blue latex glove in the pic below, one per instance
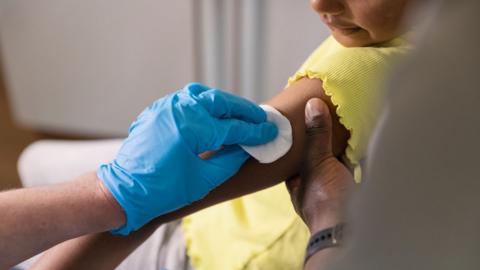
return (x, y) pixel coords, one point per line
(157, 169)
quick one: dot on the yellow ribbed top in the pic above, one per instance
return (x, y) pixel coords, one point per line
(353, 78)
(262, 230)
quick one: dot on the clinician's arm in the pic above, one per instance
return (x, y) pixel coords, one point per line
(139, 180)
(29, 217)
(105, 251)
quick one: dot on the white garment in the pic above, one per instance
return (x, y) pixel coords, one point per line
(55, 161)
(269, 152)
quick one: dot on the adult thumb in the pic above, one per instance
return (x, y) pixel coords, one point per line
(318, 123)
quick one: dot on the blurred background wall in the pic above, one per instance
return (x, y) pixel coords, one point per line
(87, 68)
(12, 141)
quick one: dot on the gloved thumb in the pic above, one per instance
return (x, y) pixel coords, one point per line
(318, 123)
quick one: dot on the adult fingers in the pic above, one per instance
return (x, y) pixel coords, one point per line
(228, 160)
(294, 187)
(319, 133)
(222, 104)
(234, 131)
(196, 88)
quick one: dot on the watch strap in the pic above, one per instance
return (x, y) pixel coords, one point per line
(330, 237)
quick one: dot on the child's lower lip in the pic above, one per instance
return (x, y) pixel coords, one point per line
(346, 30)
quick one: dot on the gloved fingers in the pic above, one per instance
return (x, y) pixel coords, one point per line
(234, 131)
(196, 88)
(229, 160)
(222, 104)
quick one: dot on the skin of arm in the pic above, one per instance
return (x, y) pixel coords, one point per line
(30, 222)
(106, 251)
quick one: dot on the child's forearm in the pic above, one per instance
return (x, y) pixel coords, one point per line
(104, 251)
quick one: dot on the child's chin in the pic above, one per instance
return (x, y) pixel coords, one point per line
(358, 39)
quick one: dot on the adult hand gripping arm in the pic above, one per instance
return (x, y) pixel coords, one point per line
(158, 168)
(156, 171)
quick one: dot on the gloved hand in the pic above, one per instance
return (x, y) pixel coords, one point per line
(158, 170)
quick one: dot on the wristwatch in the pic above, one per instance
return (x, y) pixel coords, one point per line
(330, 237)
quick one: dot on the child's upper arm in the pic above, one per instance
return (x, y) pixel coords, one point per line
(292, 101)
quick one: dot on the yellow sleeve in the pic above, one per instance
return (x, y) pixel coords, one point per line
(353, 78)
(262, 228)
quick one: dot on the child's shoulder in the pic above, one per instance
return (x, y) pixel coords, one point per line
(332, 55)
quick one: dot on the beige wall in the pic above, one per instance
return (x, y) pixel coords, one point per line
(91, 66)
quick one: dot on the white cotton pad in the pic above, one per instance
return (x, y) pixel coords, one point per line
(269, 152)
